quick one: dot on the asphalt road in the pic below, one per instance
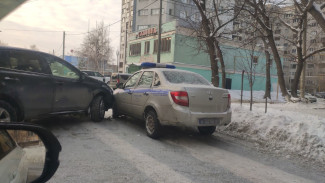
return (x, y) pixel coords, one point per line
(119, 151)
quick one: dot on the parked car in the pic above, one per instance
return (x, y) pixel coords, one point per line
(320, 95)
(166, 96)
(308, 96)
(95, 75)
(118, 79)
(35, 84)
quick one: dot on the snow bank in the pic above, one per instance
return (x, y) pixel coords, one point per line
(282, 129)
(257, 96)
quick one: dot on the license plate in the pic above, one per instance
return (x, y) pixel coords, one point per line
(209, 121)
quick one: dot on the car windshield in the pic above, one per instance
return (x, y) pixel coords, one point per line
(178, 77)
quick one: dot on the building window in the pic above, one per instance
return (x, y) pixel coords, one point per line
(313, 24)
(165, 45)
(143, 12)
(121, 64)
(313, 41)
(185, 1)
(295, 20)
(182, 14)
(135, 49)
(293, 66)
(146, 47)
(277, 31)
(156, 11)
(141, 27)
(255, 59)
(293, 51)
(310, 66)
(277, 38)
(311, 49)
(170, 11)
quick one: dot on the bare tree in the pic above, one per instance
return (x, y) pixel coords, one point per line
(250, 59)
(263, 12)
(315, 10)
(212, 27)
(299, 42)
(96, 50)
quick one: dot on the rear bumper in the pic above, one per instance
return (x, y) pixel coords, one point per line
(182, 116)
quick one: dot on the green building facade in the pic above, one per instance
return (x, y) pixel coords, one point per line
(182, 50)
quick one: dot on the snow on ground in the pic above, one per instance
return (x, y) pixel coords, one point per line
(257, 96)
(297, 128)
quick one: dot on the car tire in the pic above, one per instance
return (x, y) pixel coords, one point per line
(7, 112)
(97, 109)
(115, 111)
(206, 130)
(152, 124)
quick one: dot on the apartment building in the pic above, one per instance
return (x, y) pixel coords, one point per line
(126, 28)
(283, 36)
(140, 15)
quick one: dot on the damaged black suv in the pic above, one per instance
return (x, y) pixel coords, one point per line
(35, 84)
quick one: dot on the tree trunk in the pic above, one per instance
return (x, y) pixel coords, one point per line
(213, 62)
(300, 64)
(318, 16)
(277, 60)
(222, 63)
(268, 75)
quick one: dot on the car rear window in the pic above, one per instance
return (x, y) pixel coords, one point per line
(178, 77)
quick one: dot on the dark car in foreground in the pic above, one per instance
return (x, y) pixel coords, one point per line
(35, 84)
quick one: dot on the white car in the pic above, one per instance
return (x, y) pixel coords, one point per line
(167, 96)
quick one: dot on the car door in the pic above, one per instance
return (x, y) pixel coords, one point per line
(124, 96)
(26, 79)
(141, 93)
(71, 94)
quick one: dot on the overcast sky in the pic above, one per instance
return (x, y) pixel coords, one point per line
(29, 23)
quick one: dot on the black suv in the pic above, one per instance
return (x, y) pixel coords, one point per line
(35, 84)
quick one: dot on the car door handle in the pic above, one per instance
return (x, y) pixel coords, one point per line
(146, 93)
(11, 79)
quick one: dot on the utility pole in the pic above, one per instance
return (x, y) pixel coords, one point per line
(117, 58)
(63, 45)
(304, 51)
(159, 32)
(125, 45)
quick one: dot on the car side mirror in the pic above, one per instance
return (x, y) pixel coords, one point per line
(29, 153)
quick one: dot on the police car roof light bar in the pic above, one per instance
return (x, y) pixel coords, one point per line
(156, 65)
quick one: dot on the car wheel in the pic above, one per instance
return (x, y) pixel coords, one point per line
(7, 112)
(152, 124)
(115, 111)
(206, 130)
(97, 109)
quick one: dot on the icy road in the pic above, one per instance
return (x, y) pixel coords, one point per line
(119, 151)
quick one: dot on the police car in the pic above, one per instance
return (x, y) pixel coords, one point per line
(163, 95)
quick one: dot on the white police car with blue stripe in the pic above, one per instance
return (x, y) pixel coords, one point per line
(163, 95)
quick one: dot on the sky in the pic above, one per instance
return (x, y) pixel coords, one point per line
(42, 22)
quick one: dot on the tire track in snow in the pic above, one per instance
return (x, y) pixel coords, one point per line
(154, 169)
(241, 166)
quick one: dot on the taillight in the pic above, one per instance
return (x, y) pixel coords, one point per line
(180, 97)
(229, 101)
(118, 80)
